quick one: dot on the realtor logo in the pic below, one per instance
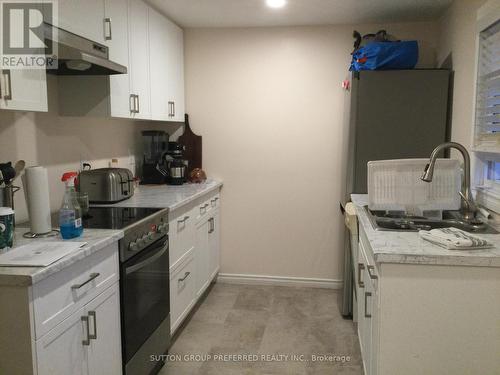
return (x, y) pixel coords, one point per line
(26, 43)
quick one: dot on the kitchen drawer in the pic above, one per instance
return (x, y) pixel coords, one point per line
(182, 290)
(215, 202)
(181, 232)
(365, 256)
(60, 295)
(208, 204)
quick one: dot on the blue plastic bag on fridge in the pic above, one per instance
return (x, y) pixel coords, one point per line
(385, 56)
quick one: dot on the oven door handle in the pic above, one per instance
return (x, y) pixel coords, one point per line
(147, 261)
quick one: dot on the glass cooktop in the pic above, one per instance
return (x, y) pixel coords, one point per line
(115, 217)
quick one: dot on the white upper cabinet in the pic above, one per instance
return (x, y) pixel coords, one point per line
(175, 67)
(23, 90)
(166, 45)
(116, 35)
(139, 60)
(84, 18)
(158, 65)
(138, 37)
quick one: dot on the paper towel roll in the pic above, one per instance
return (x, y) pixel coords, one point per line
(37, 187)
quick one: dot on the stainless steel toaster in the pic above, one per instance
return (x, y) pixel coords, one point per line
(106, 185)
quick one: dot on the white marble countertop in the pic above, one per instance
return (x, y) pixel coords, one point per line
(97, 239)
(408, 247)
(151, 196)
(168, 196)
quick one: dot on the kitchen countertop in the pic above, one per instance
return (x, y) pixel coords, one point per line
(408, 247)
(150, 196)
(168, 196)
(97, 239)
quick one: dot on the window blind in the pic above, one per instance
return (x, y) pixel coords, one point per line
(487, 133)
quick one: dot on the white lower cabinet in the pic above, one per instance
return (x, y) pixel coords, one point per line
(88, 342)
(213, 244)
(430, 319)
(202, 257)
(61, 351)
(182, 290)
(367, 310)
(67, 323)
(104, 350)
(194, 241)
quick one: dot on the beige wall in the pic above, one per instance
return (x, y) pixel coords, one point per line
(60, 143)
(269, 104)
(457, 40)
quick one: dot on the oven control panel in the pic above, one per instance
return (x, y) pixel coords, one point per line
(144, 234)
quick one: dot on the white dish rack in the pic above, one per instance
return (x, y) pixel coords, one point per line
(395, 185)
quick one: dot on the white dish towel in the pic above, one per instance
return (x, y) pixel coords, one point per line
(454, 239)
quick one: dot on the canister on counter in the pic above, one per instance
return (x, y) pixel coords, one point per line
(6, 227)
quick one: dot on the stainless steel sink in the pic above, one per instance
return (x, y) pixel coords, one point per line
(381, 220)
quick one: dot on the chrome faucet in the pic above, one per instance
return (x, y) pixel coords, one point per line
(469, 208)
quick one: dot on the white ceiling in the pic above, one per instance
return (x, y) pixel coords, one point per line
(248, 13)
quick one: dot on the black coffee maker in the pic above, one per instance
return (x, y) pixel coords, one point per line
(155, 146)
(176, 165)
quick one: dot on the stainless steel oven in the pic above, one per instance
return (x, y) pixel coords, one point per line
(145, 307)
(144, 282)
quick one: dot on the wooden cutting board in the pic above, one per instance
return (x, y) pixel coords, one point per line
(193, 145)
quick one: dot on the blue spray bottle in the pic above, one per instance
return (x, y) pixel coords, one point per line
(70, 214)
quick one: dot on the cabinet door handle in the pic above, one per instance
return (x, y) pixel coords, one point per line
(173, 109)
(180, 221)
(367, 294)
(85, 319)
(131, 103)
(138, 108)
(108, 33)
(212, 225)
(8, 85)
(94, 317)
(372, 275)
(92, 277)
(185, 277)
(361, 267)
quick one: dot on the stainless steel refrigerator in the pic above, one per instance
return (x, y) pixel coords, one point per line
(391, 114)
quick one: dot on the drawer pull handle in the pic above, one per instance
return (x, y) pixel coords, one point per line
(372, 275)
(367, 294)
(361, 267)
(185, 276)
(211, 227)
(92, 277)
(205, 206)
(180, 221)
(85, 319)
(8, 84)
(94, 335)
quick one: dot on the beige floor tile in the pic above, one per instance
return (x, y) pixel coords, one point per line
(259, 320)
